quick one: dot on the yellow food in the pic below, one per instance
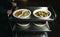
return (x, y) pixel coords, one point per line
(42, 14)
(23, 13)
(18, 13)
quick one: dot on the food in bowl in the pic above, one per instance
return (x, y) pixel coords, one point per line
(22, 13)
(18, 13)
(42, 14)
(25, 13)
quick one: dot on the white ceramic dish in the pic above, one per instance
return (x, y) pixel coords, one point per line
(42, 9)
(21, 14)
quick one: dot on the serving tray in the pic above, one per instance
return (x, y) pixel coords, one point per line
(32, 17)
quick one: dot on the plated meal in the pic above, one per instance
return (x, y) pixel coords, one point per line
(22, 13)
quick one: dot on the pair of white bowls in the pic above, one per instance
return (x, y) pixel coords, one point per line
(37, 10)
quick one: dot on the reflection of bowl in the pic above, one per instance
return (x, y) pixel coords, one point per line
(23, 23)
(42, 14)
(39, 24)
(22, 13)
(23, 26)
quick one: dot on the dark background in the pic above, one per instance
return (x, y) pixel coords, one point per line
(56, 23)
(55, 26)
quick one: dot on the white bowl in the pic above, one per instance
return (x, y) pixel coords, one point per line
(21, 14)
(23, 25)
(41, 10)
(39, 25)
